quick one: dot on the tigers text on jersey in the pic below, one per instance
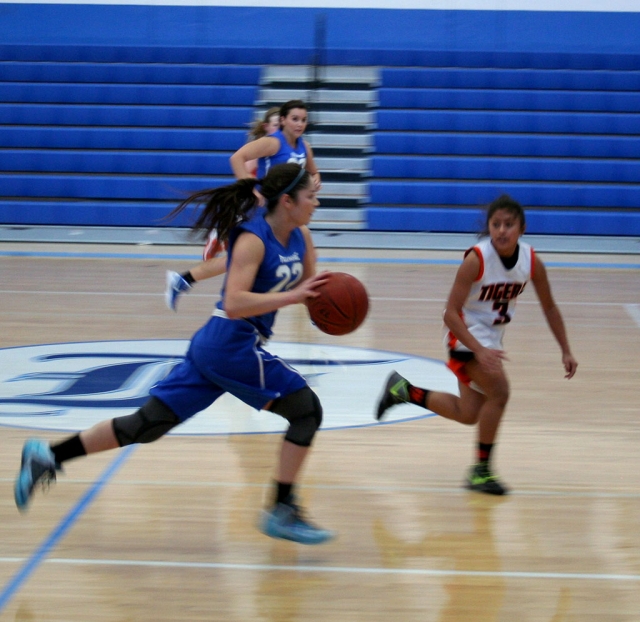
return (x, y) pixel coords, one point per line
(285, 155)
(490, 305)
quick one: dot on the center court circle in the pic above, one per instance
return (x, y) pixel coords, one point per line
(70, 386)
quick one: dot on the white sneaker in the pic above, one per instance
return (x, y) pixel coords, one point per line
(176, 285)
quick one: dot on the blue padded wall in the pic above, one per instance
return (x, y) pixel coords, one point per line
(364, 36)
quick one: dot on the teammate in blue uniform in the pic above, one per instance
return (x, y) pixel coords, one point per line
(271, 264)
(287, 152)
(285, 145)
(214, 259)
(265, 126)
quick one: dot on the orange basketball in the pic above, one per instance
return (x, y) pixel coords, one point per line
(342, 305)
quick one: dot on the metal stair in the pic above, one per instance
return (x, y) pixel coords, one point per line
(341, 120)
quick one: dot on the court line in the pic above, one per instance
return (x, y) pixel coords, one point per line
(634, 313)
(61, 529)
(216, 294)
(457, 262)
(420, 572)
(364, 260)
(444, 490)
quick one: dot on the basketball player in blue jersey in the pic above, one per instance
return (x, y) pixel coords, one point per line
(214, 253)
(271, 264)
(285, 145)
(480, 306)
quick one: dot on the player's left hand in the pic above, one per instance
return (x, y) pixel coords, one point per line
(570, 365)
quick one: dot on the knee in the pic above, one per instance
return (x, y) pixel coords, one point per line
(469, 417)
(304, 412)
(499, 394)
(302, 430)
(153, 420)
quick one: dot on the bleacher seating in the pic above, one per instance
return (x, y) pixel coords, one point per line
(116, 144)
(565, 143)
(119, 143)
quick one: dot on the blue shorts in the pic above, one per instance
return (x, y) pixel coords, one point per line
(226, 356)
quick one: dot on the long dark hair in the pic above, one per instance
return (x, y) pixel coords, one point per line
(225, 207)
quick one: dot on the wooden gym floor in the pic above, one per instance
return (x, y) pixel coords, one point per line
(166, 532)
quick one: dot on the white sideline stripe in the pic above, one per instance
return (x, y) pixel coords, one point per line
(420, 572)
(634, 313)
(443, 490)
(635, 309)
(75, 293)
(460, 5)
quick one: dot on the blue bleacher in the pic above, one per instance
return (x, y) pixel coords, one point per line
(118, 94)
(138, 73)
(507, 121)
(132, 115)
(128, 162)
(75, 212)
(116, 136)
(111, 186)
(507, 99)
(117, 144)
(85, 137)
(541, 222)
(507, 144)
(538, 194)
(565, 143)
(524, 79)
(580, 170)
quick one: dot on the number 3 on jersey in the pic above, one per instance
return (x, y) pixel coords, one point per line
(502, 309)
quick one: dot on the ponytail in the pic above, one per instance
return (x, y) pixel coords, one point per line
(223, 209)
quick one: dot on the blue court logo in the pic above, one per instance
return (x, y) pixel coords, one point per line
(71, 386)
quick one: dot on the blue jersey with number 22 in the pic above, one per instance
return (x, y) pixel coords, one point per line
(280, 270)
(226, 355)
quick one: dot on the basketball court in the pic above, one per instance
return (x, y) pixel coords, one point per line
(167, 531)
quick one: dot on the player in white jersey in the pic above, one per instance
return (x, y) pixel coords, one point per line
(480, 305)
(491, 302)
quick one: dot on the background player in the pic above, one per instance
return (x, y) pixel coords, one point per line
(280, 143)
(480, 305)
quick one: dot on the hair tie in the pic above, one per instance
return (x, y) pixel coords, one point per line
(292, 184)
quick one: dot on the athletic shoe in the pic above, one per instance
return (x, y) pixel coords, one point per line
(176, 285)
(38, 467)
(285, 521)
(481, 479)
(396, 391)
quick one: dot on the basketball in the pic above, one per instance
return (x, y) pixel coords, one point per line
(342, 305)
